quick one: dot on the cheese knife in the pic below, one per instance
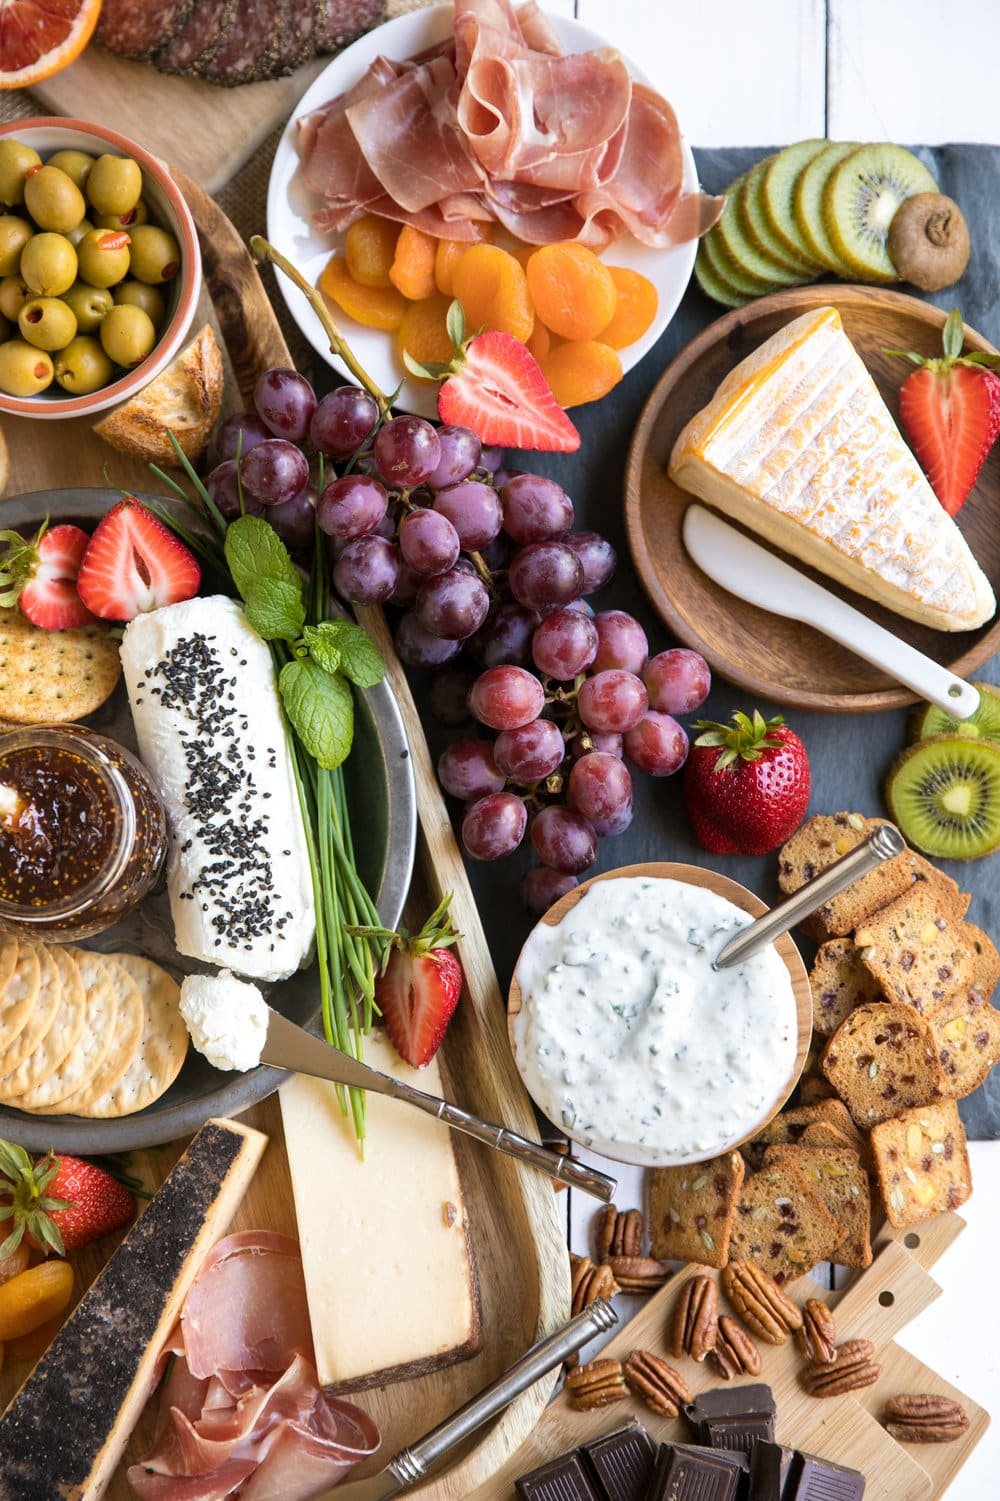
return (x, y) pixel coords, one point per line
(291, 1047)
(745, 568)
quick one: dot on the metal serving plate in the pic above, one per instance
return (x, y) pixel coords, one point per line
(383, 806)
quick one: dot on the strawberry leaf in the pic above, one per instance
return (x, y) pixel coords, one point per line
(953, 335)
(455, 323)
(422, 372)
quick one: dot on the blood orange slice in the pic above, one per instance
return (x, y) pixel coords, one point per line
(39, 37)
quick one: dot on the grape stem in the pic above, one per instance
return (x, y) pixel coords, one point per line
(263, 250)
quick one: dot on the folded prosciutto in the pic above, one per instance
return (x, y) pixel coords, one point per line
(242, 1413)
(498, 124)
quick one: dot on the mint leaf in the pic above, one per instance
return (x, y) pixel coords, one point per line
(256, 553)
(321, 710)
(275, 610)
(342, 646)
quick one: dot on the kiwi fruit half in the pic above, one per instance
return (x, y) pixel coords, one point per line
(777, 186)
(753, 219)
(984, 724)
(944, 793)
(860, 199)
(712, 284)
(807, 204)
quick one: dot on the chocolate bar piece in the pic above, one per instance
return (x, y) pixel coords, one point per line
(813, 1479)
(687, 1473)
(769, 1469)
(562, 1479)
(737, 1418)
(622, 1462)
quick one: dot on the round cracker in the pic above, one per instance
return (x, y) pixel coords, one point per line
(43, 1014)
(62, 1036)
(128, 1033)
(19, 994)
(54, 676)
(162, 1049)
(82, 1061)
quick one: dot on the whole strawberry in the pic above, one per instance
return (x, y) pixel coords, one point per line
(419, 986)
(746, 784)
(57, 1203)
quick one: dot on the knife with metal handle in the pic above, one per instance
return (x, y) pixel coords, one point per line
(745, 568)
(293, 1048)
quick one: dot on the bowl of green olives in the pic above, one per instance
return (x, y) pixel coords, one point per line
(100, 270)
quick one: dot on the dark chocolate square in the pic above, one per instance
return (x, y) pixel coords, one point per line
(622, 1463)
(815, 1479)
(562, 1479)
(769, 1469)
(685, 1472)
(735, 1418)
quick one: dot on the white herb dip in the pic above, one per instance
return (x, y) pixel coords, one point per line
(630, 1040)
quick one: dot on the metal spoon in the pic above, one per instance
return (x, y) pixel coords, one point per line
(884, 843)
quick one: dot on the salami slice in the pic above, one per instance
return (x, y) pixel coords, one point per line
(340, 21)
(137, 31)
(200, 39)
(253, 45)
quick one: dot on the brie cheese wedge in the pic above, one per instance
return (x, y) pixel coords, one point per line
(798, 445)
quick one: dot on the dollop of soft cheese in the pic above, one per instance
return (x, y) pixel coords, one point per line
(227, 1019)
(629, 1038)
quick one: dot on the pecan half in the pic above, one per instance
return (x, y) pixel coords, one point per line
(657, 1384)
(735, 1353)
(588, 1282)
(760, 1302)
(618, 1232)
(851, 1368)
(817, 1339)
(638, 1274)
(596, 1384)
(695, 1323)
(922, 1418)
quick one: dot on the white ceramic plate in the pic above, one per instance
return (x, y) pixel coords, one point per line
(290, 203)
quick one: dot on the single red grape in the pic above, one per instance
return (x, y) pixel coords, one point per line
(564, 839)
(599, 786)
(407, 451)
(286, 402)
(621, 642)
(428, 542)
(453, 604)
(367, 570)
(612, 701)
(531, 752)
(506, 697)
(564, 644)
(466, 769)
(506, 636)
(541, 886)
(494, 826)
(473, 508)
(597, 558)
(545, 575)
(677, 681)
(352, 507)
(342, 421)
(417, 647)
(657, 745)
(535, 509)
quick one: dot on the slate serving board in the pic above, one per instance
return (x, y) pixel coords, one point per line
(849, 754)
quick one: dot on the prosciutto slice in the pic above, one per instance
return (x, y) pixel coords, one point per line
(242, 1413)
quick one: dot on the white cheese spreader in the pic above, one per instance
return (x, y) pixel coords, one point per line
(749, 570)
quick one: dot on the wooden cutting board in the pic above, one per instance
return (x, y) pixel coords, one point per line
(206, 131)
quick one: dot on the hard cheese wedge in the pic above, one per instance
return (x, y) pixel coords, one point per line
(798, 445)
(389, 1274)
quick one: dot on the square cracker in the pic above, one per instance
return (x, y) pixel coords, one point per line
(839, 982)
(967, 1037)
(883, 1060)
(782, 1224)
(691, 1209)
(922, 1163)
(821, 841)
(837, 1176)
(921, 956)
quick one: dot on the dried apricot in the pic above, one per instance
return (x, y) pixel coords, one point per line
(493, 291)
(636, 308)
(369, 248)
(412, 269)
(541, 341)
(450, 252)
(581, 371)
(32, 1346)
(34, 1297)
(375, 307)
(573, 292)
(423, 332)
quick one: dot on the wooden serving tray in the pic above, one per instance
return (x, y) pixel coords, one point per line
(516, 1222)
(876, 1304)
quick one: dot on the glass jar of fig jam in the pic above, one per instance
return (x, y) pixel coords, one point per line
(82, 832)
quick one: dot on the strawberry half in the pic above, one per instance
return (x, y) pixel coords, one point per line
(950, 409)
(496, 387)
(57, 1203)
(39, 573)
(134, 564)
(419, 986)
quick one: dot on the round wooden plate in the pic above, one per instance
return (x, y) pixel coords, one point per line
(771, 657)
(710, 880)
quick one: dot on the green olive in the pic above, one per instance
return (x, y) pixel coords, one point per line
(150, 299)
(14, 235)
(47, 323)
(24, 371)
(53, 200)
(48, 264)
(76, 235)
(115, 184)
(14, 292)
(75, 164)
(15, 159)
(127, 334)
(137, 214)
(104, 257)
(156, 256)
(83, 367)
(88, 305)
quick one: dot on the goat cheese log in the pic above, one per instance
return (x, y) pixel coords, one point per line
(204, 700)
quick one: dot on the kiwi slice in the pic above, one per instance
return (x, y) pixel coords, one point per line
(712, 284)
(755, 223)
(741, 260)
(777, 187)
(944, 793)
(861, 196)
(807, 201)
(730, 271)
(984, 724)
